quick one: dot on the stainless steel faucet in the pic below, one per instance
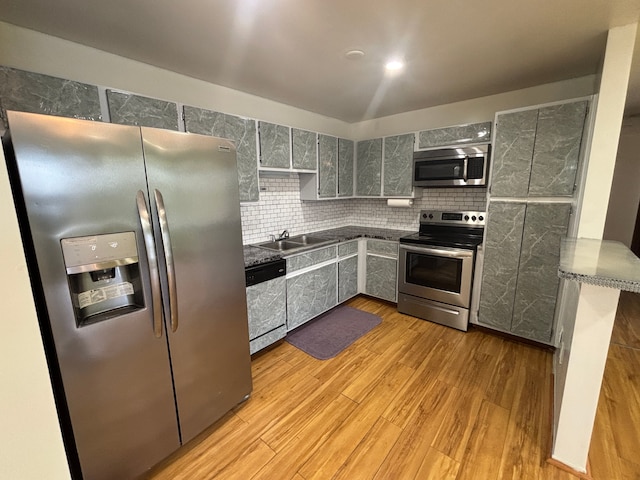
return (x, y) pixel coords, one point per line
(281, 236)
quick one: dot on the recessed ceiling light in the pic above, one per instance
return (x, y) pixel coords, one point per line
(354, 54)
(394, 65)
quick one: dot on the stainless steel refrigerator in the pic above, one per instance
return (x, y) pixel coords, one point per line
(133, 241)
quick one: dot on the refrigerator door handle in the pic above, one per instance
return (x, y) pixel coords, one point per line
(147, 233)
(168, 257)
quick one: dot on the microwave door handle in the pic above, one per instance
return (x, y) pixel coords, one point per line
(147, 233)
(452, 253)
(168, 256)
(465, 174)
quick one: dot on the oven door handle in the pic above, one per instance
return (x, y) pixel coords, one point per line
(441, 251)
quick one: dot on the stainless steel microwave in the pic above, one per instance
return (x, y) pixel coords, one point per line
(451, 167)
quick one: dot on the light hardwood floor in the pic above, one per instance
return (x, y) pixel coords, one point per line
(409, 400)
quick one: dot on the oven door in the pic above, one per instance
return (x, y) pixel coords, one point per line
(442, 274)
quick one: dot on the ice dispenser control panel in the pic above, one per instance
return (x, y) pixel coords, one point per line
(103, 274)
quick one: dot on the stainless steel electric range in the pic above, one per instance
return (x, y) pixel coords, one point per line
(436, 267)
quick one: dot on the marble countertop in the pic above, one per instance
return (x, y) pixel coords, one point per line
(255, 255)
(599, 262)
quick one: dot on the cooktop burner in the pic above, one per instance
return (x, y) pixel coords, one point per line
(449, 229)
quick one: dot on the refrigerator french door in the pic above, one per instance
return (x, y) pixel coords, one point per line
(134, 245)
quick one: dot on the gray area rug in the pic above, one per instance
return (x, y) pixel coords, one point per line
(329, 334)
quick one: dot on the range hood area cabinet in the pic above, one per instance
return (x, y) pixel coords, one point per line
(384, 167)
(536, 163)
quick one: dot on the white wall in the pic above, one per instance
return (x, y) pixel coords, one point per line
(30, 441)
(625, 190)
(587, 323)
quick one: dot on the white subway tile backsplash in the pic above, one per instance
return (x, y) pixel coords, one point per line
(280, 208)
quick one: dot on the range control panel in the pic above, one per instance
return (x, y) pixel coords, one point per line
(433, 217)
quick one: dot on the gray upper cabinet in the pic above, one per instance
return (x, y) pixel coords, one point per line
(242, 131)
(36, 93)
(369, 168)
(536, 152)
(129, 109)
(275, 146)
(455, 135)
(327, 166)
(345, 167)
(398, 165)
(557, 149)
(304, 151)
(513, 153)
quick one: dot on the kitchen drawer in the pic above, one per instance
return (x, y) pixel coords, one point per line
(348, 248)
(307, 259)
(382, 247)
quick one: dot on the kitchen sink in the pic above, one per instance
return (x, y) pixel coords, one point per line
(294, 243)
(308, 240)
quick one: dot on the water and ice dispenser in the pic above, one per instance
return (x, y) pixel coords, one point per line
(104, 276)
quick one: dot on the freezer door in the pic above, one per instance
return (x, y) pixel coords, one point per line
(194, 186)
(80, 179)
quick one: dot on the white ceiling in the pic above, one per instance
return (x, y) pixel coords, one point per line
(292, 51)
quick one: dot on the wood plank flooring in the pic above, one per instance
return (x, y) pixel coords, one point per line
(409, 400)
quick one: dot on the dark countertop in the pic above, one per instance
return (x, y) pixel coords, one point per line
(255, 255)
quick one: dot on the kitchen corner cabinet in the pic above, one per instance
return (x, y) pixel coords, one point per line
(311, 285)
(327, 166)
(345, 167)
(304, 149)
(369, 168)
(536, 151)
(275, 146)
(398, 166)
(519, 277)
(267, 312)
(243, 133)
(347, 270)
(382, 269)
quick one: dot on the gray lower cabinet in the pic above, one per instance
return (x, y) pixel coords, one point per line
(275, 145)
(398, 165)
(242, 131)
(521, 257)
(382, 269)
(267, 312)
(311, 293)
(348, 277)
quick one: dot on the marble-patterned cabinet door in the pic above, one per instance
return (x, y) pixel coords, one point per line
(304, 152)
(369, 168)
(347, 278)
(557, 149)
(398, 165)
(535, 301)
(503, 241)
(327, 166)
(536, 151)
(267, 312)
(345, 167)
(130, 109)
(512, 153)
(303, 306)
(242, 131)
(275, 145)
